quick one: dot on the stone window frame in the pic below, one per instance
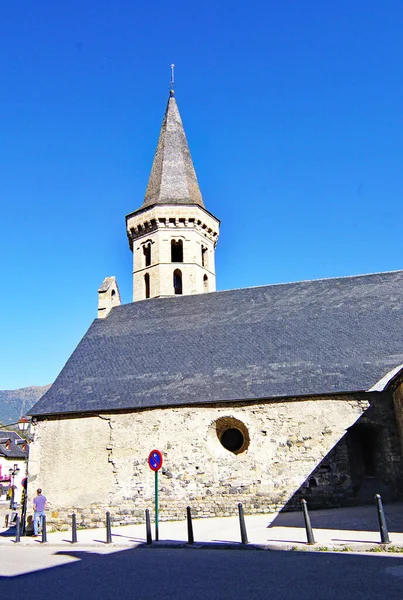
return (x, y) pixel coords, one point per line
(223, 424)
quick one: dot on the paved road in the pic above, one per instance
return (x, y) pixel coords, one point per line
(190, 574)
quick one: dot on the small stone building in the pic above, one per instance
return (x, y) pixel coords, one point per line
(260, 395)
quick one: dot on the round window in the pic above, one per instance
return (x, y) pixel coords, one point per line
(232, 439)
(233, 434)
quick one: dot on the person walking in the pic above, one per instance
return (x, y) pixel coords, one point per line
(39, 509)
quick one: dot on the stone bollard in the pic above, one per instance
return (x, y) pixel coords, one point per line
(190, 525)
(17, 530)
(73, 529)
(44, 537)
(308, 526)
(244, 537)
(149, 539)
(108, 528)
(382, 521)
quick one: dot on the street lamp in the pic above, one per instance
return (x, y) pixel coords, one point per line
(13, 473)
(23, 424)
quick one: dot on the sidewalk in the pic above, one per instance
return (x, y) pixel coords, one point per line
(343, 529)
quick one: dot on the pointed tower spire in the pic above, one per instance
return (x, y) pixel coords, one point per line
(172, 236)
(173, 178)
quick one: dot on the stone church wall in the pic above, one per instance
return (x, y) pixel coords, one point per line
(97, 463)
(398, 398)
(366, 461)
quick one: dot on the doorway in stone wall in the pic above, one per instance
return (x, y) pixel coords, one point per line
(364, 451)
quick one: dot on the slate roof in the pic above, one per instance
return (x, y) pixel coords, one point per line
(173, 178)
(15, 450)
(298, 339)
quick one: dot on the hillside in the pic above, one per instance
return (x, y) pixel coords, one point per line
(16, 403)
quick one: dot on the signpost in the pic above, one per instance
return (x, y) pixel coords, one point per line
(155, 463)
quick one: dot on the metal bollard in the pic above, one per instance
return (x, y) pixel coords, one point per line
(17, 530)
(73, 529)
(244, 537)
(44, 538)
(308, 526)
(148, 529)
(108, 528)
(190, 525)
(382, 521)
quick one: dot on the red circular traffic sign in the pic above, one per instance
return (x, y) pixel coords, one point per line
(155, 460)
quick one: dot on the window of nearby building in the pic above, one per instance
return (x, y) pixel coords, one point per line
(205, 283)
(178, 281)
(176, 251)
(147, 285)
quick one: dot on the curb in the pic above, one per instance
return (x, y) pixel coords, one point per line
(282, 547)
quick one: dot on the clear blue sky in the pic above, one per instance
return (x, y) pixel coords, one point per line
(294, 116)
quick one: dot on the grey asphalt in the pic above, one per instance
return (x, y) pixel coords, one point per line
(148, 574)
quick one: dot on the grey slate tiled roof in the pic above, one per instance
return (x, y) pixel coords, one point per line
(15, 450)
(173, 178)
(298, 339)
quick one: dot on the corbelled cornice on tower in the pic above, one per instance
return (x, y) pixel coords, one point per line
(173, 178)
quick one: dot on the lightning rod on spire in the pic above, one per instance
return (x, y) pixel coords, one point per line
(172, 76)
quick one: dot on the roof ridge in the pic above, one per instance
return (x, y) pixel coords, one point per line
(265, 285)
(251, 287)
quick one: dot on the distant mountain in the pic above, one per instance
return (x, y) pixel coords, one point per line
(16, 403)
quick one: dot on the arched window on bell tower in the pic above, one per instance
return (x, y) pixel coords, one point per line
(204, 256)
(205, 283)
(147, 254)
(147, 285)
(176, 251)
(178, 281)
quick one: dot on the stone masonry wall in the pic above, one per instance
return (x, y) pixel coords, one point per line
(98, 463)
(340, 478)
(398, 399)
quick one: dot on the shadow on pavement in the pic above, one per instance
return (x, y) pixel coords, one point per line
(357, 518)
(10, 532)
(141, 574)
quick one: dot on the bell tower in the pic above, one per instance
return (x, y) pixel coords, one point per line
(172, 235)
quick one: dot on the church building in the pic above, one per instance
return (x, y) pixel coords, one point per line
(261, 395)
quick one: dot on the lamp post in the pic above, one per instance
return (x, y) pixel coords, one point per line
(13, 473)
(23, 426)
